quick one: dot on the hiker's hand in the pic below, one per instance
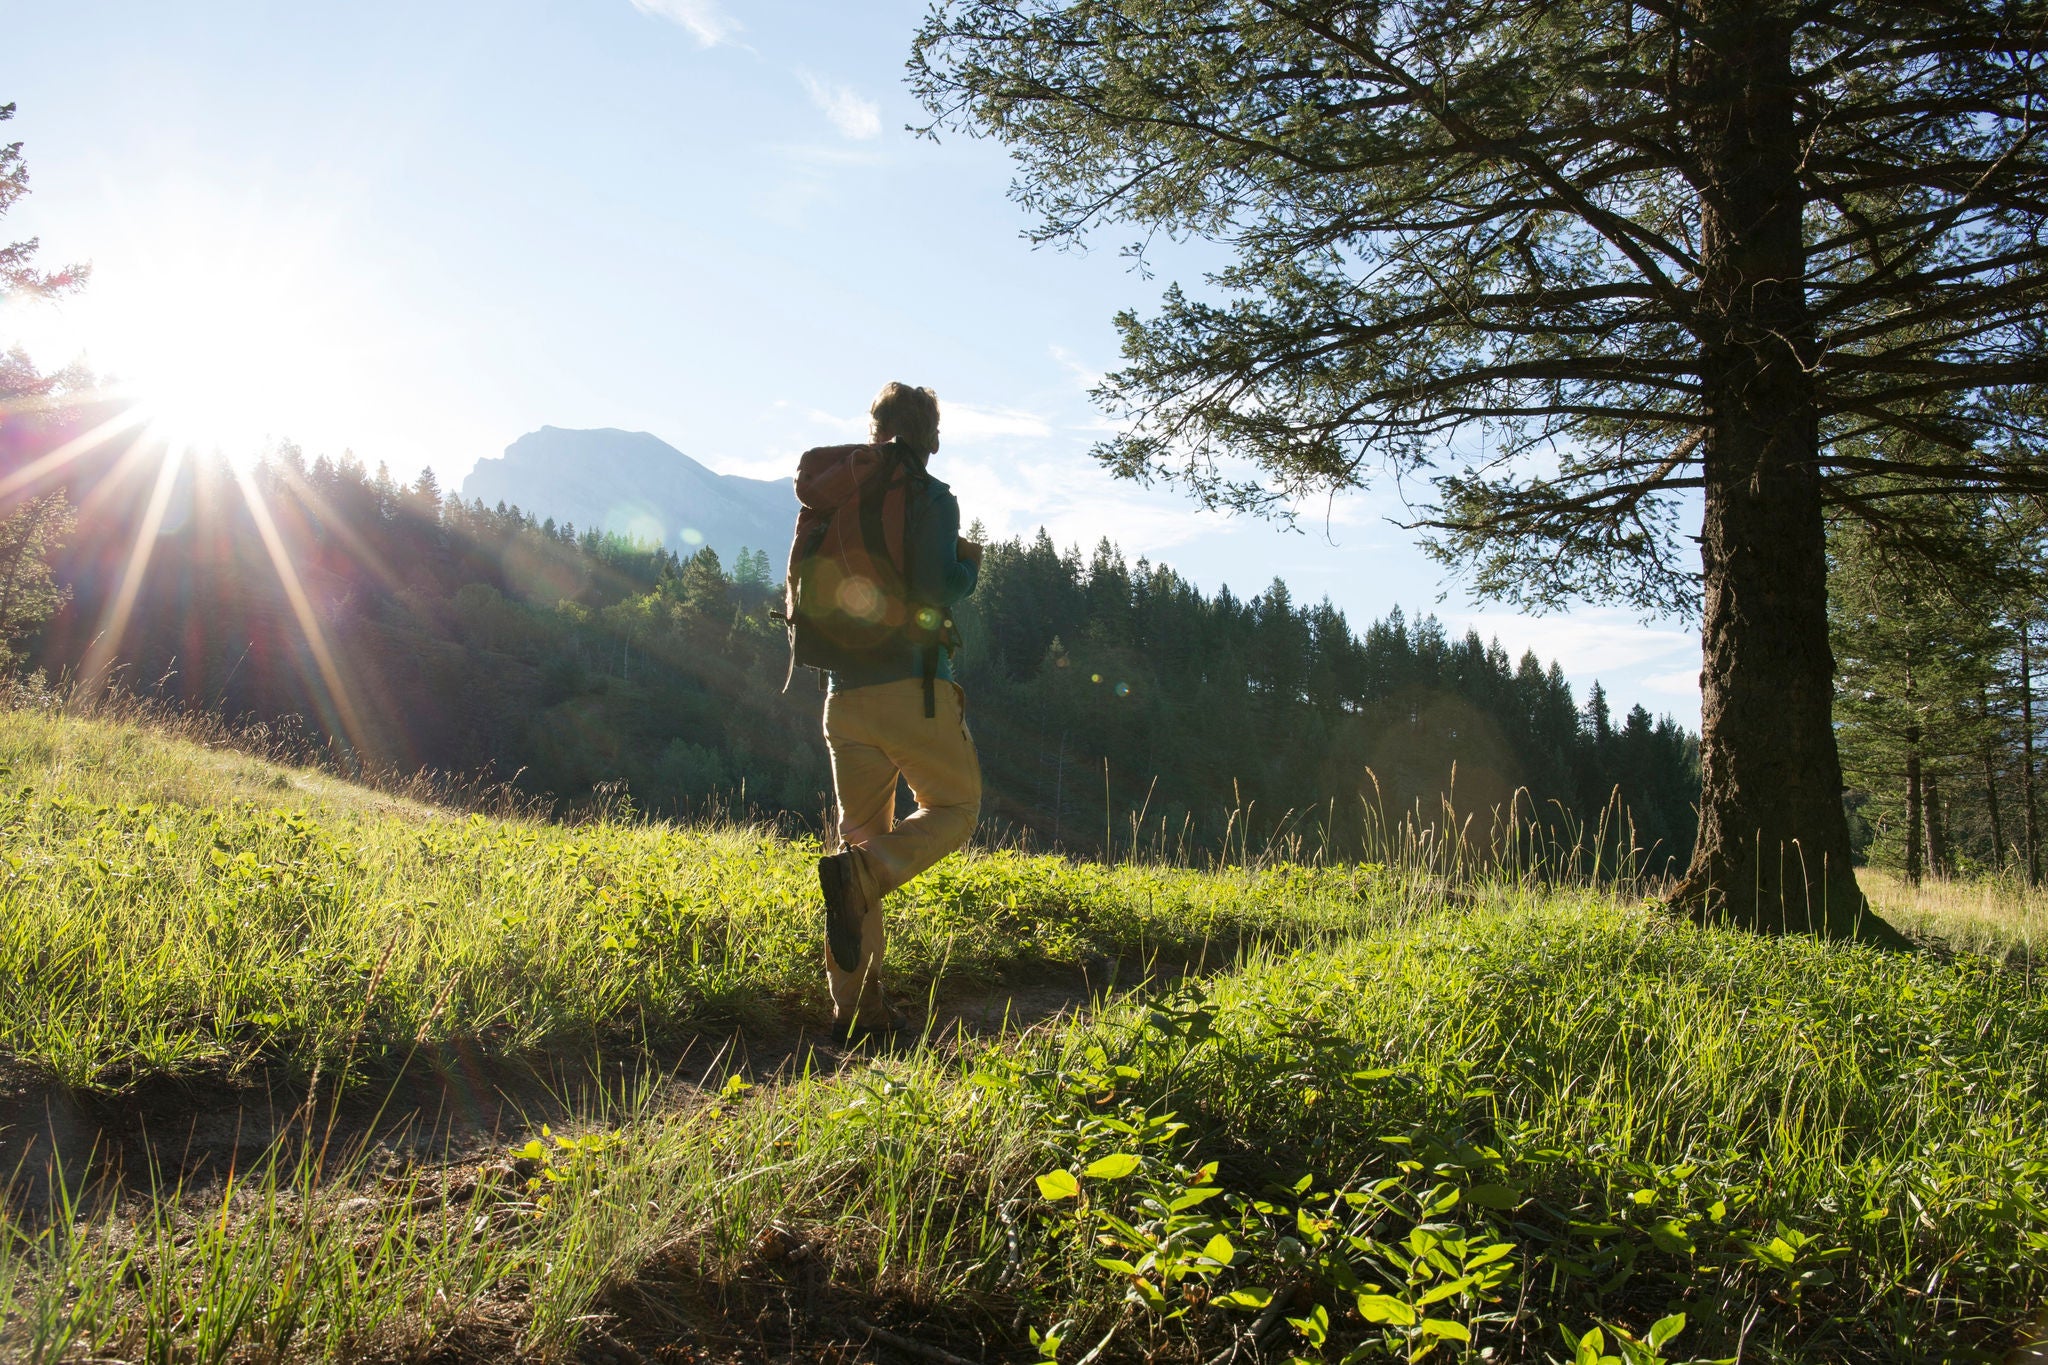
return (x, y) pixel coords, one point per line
(968, 552)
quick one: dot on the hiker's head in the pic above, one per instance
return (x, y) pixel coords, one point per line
(909, 415)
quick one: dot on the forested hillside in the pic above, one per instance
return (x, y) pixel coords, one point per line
(1113, 702)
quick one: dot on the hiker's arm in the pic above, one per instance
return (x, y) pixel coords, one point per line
(943, 576)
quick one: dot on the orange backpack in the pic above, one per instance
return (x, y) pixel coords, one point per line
(847, 597)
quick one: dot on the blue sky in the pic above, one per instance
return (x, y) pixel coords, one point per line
(417, 231)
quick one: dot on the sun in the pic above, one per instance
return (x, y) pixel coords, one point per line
(226, 355)
(230, 325)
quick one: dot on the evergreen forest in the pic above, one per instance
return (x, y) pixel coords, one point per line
(1117, 707)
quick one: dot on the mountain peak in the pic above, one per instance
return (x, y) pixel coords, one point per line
(634, 483)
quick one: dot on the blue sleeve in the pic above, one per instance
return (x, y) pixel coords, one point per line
(943, 578)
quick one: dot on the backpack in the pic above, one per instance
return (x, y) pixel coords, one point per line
(847, 598)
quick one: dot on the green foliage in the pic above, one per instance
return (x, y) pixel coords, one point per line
(1936, 640)
(18, 274)
(1464, 243)
(1075, 659)
(1533, 1119)
(157, 923)
(28, 591)
(1399, 1130)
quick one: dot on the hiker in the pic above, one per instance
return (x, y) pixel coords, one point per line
(874, 569)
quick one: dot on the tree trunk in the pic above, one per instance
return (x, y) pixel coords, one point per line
(1937, 831)
(2031, 813)
(1914, 832)
(1997, 825)
(1773, 850)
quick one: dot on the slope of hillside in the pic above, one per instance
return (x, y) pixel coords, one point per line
(1454, 1127)
(170, 910)
(634, 484)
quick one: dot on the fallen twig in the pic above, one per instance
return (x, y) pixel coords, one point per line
(910, 1345)
(1262, 1327)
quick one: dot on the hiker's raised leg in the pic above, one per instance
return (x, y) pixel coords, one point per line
(936, 755)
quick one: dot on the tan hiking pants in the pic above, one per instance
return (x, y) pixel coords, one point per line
(874, 734)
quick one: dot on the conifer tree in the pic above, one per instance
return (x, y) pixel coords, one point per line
(29, 591)
(19, 274)
(1650, 252)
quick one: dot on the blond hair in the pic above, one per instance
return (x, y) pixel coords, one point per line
(911, 415)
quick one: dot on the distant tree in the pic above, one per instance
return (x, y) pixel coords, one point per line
(18, 272)
(703, 585)
(29, 591)
(1657, 252)
(1599, 720)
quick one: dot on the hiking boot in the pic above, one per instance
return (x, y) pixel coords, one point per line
(839, 879)
(871, 1026)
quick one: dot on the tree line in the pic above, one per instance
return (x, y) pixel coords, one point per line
(1939, 647)
(1114, 703)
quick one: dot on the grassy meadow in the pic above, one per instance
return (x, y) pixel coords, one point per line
(177, 911)
(1387, 1119)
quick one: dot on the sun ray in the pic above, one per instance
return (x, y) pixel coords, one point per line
(99, 658)
(336, 691)
(112, 486)
(77, 446)
(338, 525)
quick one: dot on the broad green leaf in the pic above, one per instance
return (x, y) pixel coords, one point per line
(1448, 1289)
(1669, 1235)
(1220, 1250)
(1058, 1185)
(1246, 1298)
(1487, 1255)
(1664, 1329)
(1115, 1166)
(1446, 1329)
(1386, 1310)
(1493, 1196)
(1443, 1203)
(1315, 1328)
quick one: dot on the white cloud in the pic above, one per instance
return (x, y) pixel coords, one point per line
(703, 18)
(1590, 640)
(1684, 682)
(847, 427)
(1085, 377)
(965, 424)
(851, 113)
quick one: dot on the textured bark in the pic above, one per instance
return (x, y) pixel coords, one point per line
(2032, 812)
(1991, 791)
(1937, 829)
(1773, 850)
(1914, 871)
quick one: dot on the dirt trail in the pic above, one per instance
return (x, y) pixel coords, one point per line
(446, 1108)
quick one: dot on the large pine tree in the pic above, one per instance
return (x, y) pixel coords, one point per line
(1593, 264)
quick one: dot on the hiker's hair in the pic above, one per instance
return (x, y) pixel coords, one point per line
(910, 415)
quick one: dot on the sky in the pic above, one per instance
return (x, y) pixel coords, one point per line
(418, 231)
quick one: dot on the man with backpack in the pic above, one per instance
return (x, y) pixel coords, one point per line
(876, 565)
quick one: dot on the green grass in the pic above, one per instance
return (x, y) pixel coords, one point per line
(1483, 1130)
(168, 910)
(1810, 1152)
